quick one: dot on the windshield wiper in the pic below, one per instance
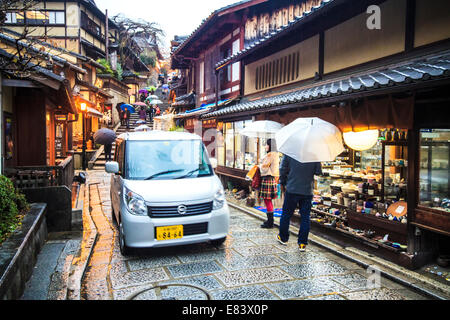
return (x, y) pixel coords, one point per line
(161, 173)
(190, 173)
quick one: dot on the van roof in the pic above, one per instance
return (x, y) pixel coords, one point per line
(158, 135)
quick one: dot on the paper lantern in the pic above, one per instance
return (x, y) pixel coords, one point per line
(361, 141)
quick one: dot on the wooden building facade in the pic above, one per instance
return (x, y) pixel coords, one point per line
(370, 65)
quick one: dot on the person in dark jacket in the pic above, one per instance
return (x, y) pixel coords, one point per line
(296, 180)
(108, 149)
(126, 116)
(150, 113)
(120, 112)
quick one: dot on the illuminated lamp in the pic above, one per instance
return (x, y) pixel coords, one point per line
(83, 106)
(361, 141)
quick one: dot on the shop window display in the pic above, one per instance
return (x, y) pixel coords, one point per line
(364, 192)
(251, 149)
(238, 151)
(435, 169)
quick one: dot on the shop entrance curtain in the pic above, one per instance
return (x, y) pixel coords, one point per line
(367, 114)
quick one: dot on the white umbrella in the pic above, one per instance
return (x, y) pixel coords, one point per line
(154, 102)
(153, 97)
(310, 140)
(142, 128)
(261, 129)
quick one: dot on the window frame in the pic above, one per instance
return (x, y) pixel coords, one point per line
(244, 144)
(419, 203)
(26, 21)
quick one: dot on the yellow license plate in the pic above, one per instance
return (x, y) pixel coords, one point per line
(169, 233)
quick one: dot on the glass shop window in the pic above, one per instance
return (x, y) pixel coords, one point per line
(251, 149)
(240, 145)
(220, 145)
(229, 145)
(435, 169)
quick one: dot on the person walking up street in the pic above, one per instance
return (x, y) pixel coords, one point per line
(296, 180)
(142, 114)
(108, 149)
(150, 113)
(120, 112)
(269, 180)
(126, 116)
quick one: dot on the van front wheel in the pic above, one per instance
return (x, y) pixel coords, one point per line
(218, 242)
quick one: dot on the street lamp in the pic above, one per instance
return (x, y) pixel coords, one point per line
(83, 107)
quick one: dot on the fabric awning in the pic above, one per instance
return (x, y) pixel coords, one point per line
(94, 113)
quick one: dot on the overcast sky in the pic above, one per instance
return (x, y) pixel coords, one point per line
(175, 17)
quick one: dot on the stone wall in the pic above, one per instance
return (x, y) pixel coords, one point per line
(19, 253)
(59, 206)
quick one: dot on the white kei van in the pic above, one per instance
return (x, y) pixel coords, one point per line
(164, 191)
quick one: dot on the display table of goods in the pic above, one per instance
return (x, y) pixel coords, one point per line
(352, 202)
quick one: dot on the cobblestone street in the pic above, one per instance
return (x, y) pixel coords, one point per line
(250, 265)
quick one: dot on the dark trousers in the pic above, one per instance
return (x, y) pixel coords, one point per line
(127, 122)
(291, 201)
(108, 148)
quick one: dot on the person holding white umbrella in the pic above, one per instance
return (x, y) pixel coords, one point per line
(305, 143)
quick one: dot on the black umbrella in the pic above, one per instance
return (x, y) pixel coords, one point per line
(104, 136)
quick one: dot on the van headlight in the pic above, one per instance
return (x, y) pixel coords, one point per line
(219, 199)
(135, 203)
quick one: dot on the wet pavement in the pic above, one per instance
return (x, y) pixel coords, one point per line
(249, 265)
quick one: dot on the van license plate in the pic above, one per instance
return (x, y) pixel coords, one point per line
(169, 233)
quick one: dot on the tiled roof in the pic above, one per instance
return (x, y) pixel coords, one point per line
(183, 97)
(13, 42)
(425, 69)
(184, 100)
(273, 34)
(204, 22)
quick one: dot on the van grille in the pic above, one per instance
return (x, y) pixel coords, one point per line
(172, 211)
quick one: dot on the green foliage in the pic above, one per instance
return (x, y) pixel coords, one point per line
(108, 69)
(177, 129)
(106, 65)
(12, 205)
(119, 72)
(150, 59)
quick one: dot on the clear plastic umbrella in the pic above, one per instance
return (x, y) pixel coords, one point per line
(310, 140)
(262, 129)
(154, 102)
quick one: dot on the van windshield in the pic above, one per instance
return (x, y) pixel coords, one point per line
(166, 160)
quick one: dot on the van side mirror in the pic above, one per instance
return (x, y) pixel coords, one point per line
(112, 167)
(213, 162)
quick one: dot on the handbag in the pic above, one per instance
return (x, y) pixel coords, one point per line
(256, 181)
(252, 172)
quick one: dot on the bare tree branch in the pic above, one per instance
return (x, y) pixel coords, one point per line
(26, 52)
(130, 30)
